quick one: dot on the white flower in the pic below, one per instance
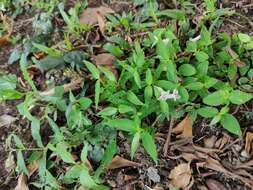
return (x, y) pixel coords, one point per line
(165, 95)
(195, 39)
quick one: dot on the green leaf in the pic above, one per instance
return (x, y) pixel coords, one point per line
(125, 108)
(216, 98)
(85, 102)
(135, 143)
(35, 128)
(122, 124)
(108, 74)
(97, 93)
(244, 37)
(137, 78)
(17, 141)
(149, 145)
(8, 82)
(84, 152)
(49, 62)
(115, 50)
(49, 51)
(15, 56)
(149, 77)
(207, 112)
(21, 163)
(148, 93)
(201, 56)
(108, 111)
(230, 123)
(10, 95)
(61, 150)
(74, 172)
(110, 151)
(187, 70)
(195, 86)
(131, 97)
(93, 69)
(238, 97)
(86, 180)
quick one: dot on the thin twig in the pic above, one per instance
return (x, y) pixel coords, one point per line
(167, 142)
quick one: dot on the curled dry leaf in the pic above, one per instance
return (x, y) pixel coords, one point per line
(22, 182)
(181, 175)
(184, 128)
(8, 25)
(119, 162)
(90, 15)
(248, 142)
(6, 120)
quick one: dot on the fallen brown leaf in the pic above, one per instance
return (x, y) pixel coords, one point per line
(184, 128)
(235, 57)
(248, 142)
(215, 185)
(105, 59)
(22, 182)
(90, 15)
(119, 162)
(181, 175)
(209, 142)
(9, 163)
(101, 23)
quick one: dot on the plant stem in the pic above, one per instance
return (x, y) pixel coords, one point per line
(167, 142)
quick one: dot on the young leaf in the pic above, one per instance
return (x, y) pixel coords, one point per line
(207, 112)
(21, 163)
(201, 56)
(230, 123)
(187, 70)
(86, 180)
(135, 143)
(244, 37)
(216, 98)
(122, 124)
(238, 97)
(131, 97)
(149, 145)
(108, 111)
(93, 69)
(149, 77)
(61, 150)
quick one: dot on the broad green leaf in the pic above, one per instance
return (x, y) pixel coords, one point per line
(131, 97)
(8, 82)
(122, 124)
(125, 108)
(85, 102)
(135, 143)
(61, 150)
(108, 111)
(10, 94)
(15, 56)
(201, 56)
(194, 86)
(216, 98)
(149, 145)
(93, 69)
(148, 93)
(86, 180)
(115, 50)
(110, 151)
(50, 62)
(244, 37)
(21, 163)
(230, 123)
(238, 97)
(74, 172)
(187, 70)
(207, 112)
